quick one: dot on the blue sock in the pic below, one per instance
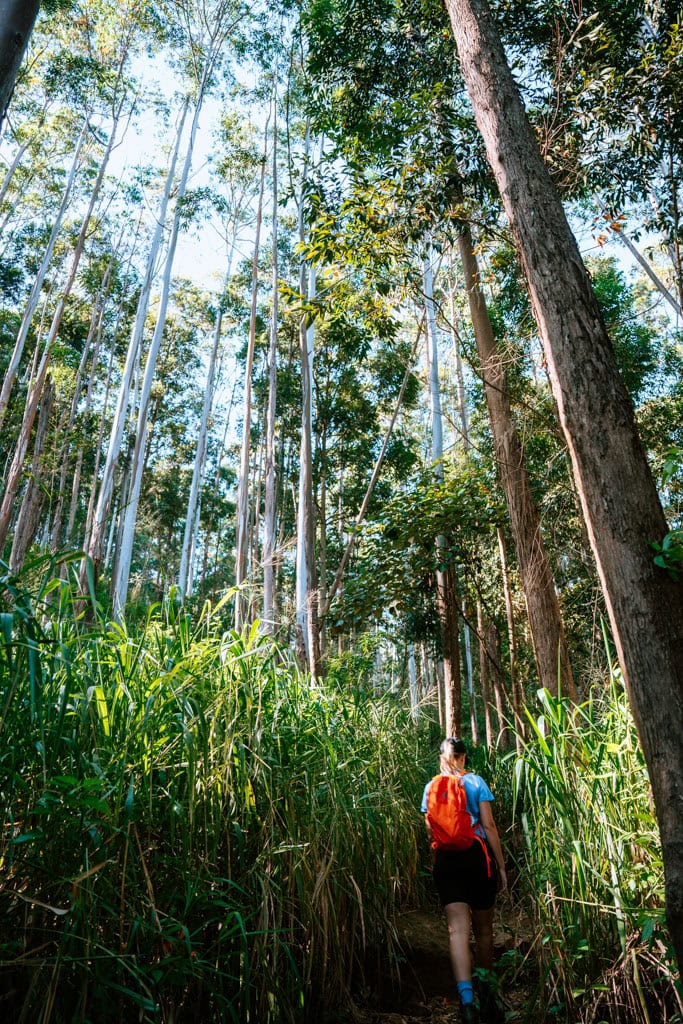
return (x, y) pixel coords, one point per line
(466, 992)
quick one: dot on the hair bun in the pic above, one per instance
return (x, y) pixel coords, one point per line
(453, 745)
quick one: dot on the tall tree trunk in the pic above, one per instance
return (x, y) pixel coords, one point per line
(308, 633)
(620, 502)
(95, 332)
(120, 582)
(17, 18)
(484, 678)
(459, 374)
(412, 683)
(270, 482)
(474, 729)
(242, 531)
(498, 682)
(308, 599)
(95, 536)
(543, 607)
(515, 682)
(192, 517)
(446, 600)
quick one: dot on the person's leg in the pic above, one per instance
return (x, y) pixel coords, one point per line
(482, 924)
(459, 922)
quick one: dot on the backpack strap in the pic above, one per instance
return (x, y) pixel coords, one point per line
(482, 842)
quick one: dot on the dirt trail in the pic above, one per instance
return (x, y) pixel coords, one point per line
(420, 989)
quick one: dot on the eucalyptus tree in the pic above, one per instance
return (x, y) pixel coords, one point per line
(620, 502)
(94, 542)
(270, 483)
(242, 507)
(205, 28)
(421, 141)
(234, 172)
(445, 586)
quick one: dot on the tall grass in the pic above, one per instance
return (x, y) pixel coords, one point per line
(192, 831)
(591, 865)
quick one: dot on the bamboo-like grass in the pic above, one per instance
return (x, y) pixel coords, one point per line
(192, 830)
(591, 866)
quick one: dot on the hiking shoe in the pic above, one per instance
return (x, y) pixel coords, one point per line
(491, 1010)
(469, 1014)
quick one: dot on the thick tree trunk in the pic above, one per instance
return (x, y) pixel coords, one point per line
(17, 18)
(618, 495)
(543, 608)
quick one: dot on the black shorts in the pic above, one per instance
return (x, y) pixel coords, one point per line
(465, 876)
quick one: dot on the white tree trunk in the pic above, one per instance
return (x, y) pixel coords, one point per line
(444, 575)
(412, 683)
(95, 537)
(124, 555)
(192, 517)
(270, 493)
(242, 532)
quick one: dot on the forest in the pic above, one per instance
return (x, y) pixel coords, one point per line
(341, 411)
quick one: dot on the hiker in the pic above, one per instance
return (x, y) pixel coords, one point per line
(468, 869)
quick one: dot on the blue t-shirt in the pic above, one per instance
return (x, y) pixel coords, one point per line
(476, 790)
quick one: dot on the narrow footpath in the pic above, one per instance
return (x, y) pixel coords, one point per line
(420, 989)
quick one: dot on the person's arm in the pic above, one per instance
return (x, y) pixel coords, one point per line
(429, 828)
(486, 819)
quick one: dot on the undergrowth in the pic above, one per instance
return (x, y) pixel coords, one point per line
(192, 830)
(590, 867)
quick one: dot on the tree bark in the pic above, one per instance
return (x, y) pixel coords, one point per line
(543, 607)
(619, 499)
(17, 18)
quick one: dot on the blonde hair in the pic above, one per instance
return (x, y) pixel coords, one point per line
(451, 753)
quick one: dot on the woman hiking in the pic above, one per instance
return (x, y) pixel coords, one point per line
(468, 870)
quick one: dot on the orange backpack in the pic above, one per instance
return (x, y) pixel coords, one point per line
(447, 813)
